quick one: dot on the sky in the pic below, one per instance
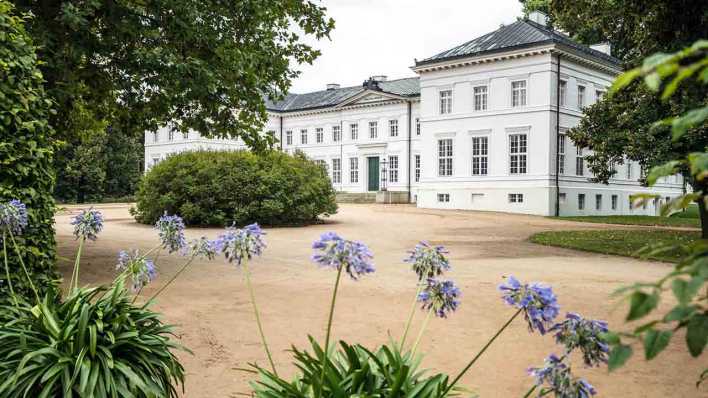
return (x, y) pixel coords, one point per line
(382, 37)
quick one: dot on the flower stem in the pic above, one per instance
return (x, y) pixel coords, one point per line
(329, 329)
(479, 354)
(410, 316)
(74, 284)
(422, 331)
(531, 390)
(184, 267)
(22, 263)
(7, 269)
(258, 317)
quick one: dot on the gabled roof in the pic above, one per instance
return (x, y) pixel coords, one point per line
(520, 34)
(407, 87)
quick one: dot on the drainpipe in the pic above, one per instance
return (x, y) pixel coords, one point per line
(410, 106)
(281, 133)
(558, 71)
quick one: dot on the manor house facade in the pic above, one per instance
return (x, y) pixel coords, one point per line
(482, 127)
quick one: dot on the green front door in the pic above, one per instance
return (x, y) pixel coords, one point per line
(373, 173)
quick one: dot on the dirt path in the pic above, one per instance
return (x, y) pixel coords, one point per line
(211, 305)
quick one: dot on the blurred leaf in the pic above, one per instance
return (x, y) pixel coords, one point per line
(641, 304)
(618, 356)
(697, 334)
(655, 342)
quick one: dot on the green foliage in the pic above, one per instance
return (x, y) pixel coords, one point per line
(26, 148)
(676, 220)
(96, 343)
(354, 371)
(221, 188)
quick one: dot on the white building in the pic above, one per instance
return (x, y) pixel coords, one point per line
(480, 129)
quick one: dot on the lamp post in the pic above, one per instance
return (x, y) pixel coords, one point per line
(384, 174)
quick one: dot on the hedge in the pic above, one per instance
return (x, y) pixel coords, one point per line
(220, 188)
(26, 150)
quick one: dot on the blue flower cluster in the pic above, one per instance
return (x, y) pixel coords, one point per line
(537, 301)
(428, 261)
(556, 374)
(440, 296)
(140, 269)
(584, 334)
(201, 247)
(171, 231)
(87, 224)
(239, 244)
(336, 252)
(13, 217)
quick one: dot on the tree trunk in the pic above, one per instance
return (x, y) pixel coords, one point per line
(703, 212)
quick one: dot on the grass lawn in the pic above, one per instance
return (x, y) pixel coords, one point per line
(618, 242)
(674, 221)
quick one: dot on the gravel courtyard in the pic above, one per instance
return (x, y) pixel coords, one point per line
(210, 305)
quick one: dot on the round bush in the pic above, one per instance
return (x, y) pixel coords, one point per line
(221, 188)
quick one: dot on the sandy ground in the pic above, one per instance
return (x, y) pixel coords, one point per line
(210, 303)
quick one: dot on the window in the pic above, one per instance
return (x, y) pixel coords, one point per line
(563, 93)
(185, 135)
(445, 101)
(336, 171)
(303, 136)
(598, 202)
(517, 153)
(321, 163)
(417, 126)
(155, 136)
(336, 133)
(629, 170)
(443, 197)
(319, 135)
(518, 93)
(581, 97)
(561, 198)
(445, 157)
(480, 98)
(561, 154)
(373, 129)
(614, 202)
(170, 135)
(353, 170)
(393, 128)
(354, 131)
(417, 168)
(599, 94)
(479, 155)
(581, 201)
(155, 160)
(289, 137)
(516, 198)
(393, 168)
(579, 162)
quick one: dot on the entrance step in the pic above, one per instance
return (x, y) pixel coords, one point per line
(356, 197)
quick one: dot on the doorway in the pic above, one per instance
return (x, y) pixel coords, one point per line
(373, 173)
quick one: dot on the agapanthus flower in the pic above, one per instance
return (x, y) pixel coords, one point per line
(171, 231)
(585, 334)
(440, 296)
(428, 261)
(557, 378)
(537, 301)
(239, 244)
(201, 247)
(140, 269)
(88, 224)
(13, 217)
(335, 252)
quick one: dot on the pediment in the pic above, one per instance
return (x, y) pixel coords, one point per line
(369, 97)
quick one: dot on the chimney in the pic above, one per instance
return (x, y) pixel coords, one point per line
(379, 78)
(538, 17)
(603, 47)
(332, 86)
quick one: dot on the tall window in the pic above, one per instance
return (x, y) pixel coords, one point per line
(445, 101)
(561, 154)
(336, 171)
(417, 126)
(393, 128)
(480, 98)
(155, 136)
(321, 163)
(598, 202)
(599, 94)
(445, 157)
(319, 135)
(336, 133)
(393, 168)
(518, 150)
(373, 129)
(563, 92)
(354, 131)
(581, 201)
(353, 170)
(303, 136)
(479, 155)
(289, 137)
(629, 170)
(417, 168)
(156, 160)
(185, 135)
(614, 202)
(518, 93)
(581, 97)
(579, 162)
(171, 135)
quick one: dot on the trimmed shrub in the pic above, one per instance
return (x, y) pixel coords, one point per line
(221, 188)
(26, 150)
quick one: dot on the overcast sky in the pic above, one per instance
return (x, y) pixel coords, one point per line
(382, 37)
